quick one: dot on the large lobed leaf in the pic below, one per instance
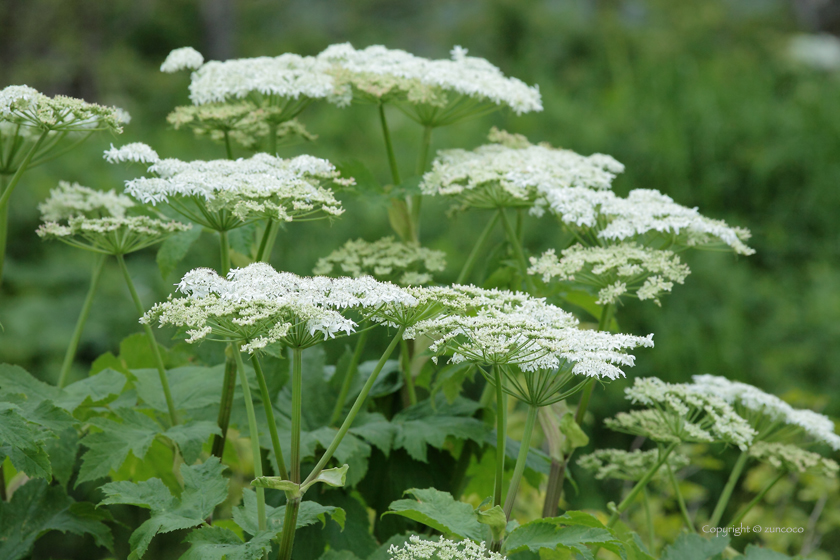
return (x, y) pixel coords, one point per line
(572, 532)
(440, 511)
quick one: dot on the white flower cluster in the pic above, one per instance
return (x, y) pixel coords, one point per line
(260, 186)
(819, 51)
(136, 152)
(185, 58)
(27, 107)
(441, 549)
(793, 459)
(383, 73)
(70, 200)
(258, 305)
(681, 412)
(644, 212)
(500, 328)
(616, 270)
(288, 76)
(498, 175)
(758, 406)
(385, 259)
(113, 236)
(617, 464)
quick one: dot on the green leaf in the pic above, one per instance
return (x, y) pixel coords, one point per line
(493, 517)
(217, 543)
(191, 436)
(338, 555)
(633, 545)
(174, 249)
(16, 380)
(37, 508)
(450, 379)
(575, 436)
(758, 553)
(694, 547)
(97, 390)
(108, 449)
(204, 489)
(336, 477)
(309, 513)
(571, 533)
(192, 387)
(440, 511)
(62, 452)
(376, 430)
(23, 442)
(422, 425)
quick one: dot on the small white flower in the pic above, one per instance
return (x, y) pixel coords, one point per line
(185, 58)
(617, 464)
(385, 259)
(25, 106)
(441, 549)
(135, 152)
(793, 459)
(70, 200)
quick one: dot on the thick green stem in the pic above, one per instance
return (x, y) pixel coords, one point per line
(164, 381)
(224, 249)
(648, 519)
(513, 239)
(501, 424)
(7, 192)
(680, 500)
(4, 228)
(392, 160)
(226, 403)
(228, 149)
(349, 375)
(254, 436)
(405, 363)
(354, 410)
(723, 501)
(272, 139)
(554, 488)
(425, 145)
(269, 416)
(70, 354)
(625, 503)
(524, 447)
(469, 264)
(287, 538)
(297, 384)
(264, 252)
(758, 498)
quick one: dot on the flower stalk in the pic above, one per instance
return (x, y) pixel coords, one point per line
(164, 381)
(514, 241)
(70, 354)
(501, 424)
(680, 500)
(349, 375)
(760, 496)
(469, 264)
(521, 460)
(627, 501)
(269, 416)
(226, 403)
(723, 501)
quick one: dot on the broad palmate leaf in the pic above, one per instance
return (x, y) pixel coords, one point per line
(695, 547)
(204, 489)
(440, 511)
(572, 532)
(37, 508)
(426, 424)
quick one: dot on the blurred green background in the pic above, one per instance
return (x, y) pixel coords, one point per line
(698, 98)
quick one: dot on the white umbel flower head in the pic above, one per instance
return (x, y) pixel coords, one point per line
(224, 194)
(136, 152)
(617, 464)
(614, 270)
(185, 58)
(288, 79)
(385, 259)
(439, 91)
(680, 412)
(645, 215)
(297, 311)
(70, 200)
(770, 415)
(514, 174)
(818, 51)
(25, 106)
(441, 549)
(506, 329)
(792, 458)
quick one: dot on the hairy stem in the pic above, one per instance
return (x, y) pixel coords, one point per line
(7, 192)
(264, 252)
(524, 447)
(625, 503)
(680, 500)
(758, 498)
(354, 410)
(226, 402)
(297, 384)
(389, 148)
(723, 501)
(228, 149)
(254, 435)
(405, 365)
(164, 381)
(349, 375)
(224, 249)
(269, 416)
(287, 538)
(469, 264)
(648, 519)
(501, 424)
(70, 354)
(514, 241)
(271, 141)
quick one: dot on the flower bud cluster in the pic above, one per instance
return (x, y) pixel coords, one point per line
(385, 259)
(441, 549)
(70, 200)
(793, 459)
(616, 270)
(763, 409)
(617, 464)
(27, 107)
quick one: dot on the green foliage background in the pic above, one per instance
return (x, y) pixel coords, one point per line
(696, 98)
